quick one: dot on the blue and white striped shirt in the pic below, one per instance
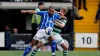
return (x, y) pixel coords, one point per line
(46, 20)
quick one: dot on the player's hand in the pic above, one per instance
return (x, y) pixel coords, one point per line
(58, 21)
(60, 13)
(63, 17)
(55, 21)
(23, 11)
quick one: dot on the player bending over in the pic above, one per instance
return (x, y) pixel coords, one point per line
(45, 28)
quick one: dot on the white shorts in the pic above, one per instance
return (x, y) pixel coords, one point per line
(60, 48)
(59, 40)
(41, 36)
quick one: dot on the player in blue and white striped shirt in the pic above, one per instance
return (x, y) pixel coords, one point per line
(45, 27)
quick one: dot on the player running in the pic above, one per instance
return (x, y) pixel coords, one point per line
(45, 27)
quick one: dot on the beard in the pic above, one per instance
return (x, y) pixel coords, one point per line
(50, 14)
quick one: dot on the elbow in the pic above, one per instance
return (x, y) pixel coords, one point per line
(31, 12)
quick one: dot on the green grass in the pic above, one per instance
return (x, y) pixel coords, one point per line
(46, 53)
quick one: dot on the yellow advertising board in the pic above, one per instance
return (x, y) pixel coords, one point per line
(87, 25)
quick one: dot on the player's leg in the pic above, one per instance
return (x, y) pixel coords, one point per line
(53, 45)
(36, 38)
(51, 39)
(35, 50)
(62, 43)
(29, 47)
(65, 48)
(41, 42)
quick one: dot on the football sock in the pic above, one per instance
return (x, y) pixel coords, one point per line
(34, 52)
(27, 50)
(53, 47)
(65, 52)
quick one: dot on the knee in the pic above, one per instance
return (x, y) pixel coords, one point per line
(40, 44)
(33, 42)
(65, 47)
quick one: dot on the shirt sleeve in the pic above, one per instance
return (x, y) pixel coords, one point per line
(37, 9)
(57, 16)
(64, 21)
(40, 13)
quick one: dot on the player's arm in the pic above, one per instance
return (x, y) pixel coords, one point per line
(59, 23)
(33, 12)
(63, 17)
(60, 15)
(29, 11)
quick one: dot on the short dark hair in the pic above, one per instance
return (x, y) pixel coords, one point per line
(40, 3)
(52, 7)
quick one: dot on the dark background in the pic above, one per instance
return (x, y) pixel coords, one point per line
(14, 19)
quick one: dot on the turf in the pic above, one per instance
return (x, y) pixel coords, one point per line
(47, 53)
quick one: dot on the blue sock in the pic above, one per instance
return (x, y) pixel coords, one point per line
(27, 50)
(53, 47)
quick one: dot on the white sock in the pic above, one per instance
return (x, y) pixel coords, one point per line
(53, 53)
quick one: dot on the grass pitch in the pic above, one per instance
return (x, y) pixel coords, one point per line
(47, 53)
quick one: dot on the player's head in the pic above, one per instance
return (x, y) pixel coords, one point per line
(40, 5)
(51, 10)
(64, 10)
